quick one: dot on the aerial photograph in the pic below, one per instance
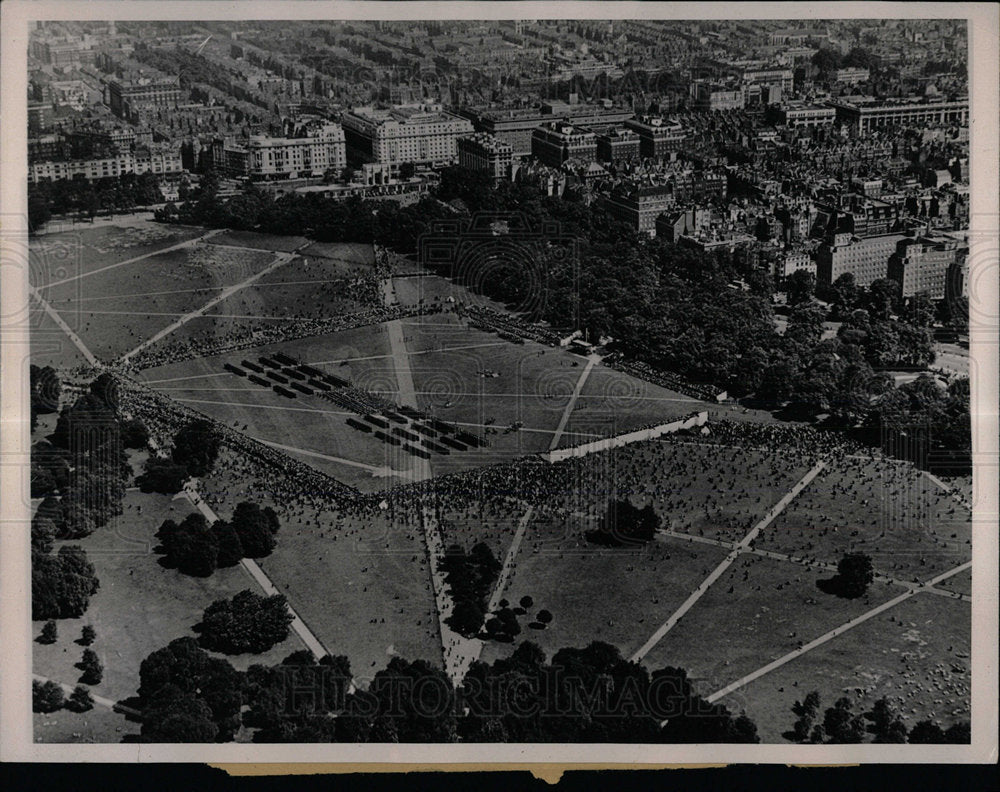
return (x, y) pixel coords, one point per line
(512, 381)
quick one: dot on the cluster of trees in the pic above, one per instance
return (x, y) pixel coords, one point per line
(588, 694)
(188, 696)
(49, 697)
(246, 623)
(470, 578)
(61, 583)
(881, 724)
(317, 216)
(197, 548)
(195, 449)
(90, 197)
(626, 525)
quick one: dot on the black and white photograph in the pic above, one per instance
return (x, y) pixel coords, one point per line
(422, 383)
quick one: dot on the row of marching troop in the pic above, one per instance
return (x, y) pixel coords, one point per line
(409, 428)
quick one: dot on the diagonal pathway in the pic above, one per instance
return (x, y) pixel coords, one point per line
(591, 361)
(829, 636)
(179, 246)
(747, 540)
(54, 315)
(279, 260)
(503, 579)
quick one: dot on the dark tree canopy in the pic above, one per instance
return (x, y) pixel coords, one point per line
(61, 584)
(248, 622)
(196, 446)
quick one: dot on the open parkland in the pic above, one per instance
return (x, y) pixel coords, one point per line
(755, 513)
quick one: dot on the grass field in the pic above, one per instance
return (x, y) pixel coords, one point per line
(910, 528)
(351, 256)
(54, 257)
(923, 642)
(99, 725)
(115, 310)
(619, 595)
(360, 582)
(140, 606)
(756, 612)
(256, 241)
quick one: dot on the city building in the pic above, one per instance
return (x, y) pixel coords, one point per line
(866, 258)
(797, 114)
(713, 97)
(316, 149)
(164, 163)
(483, 152)
(657, 136)
(865, 114)
(516, 126)
(128, 97)
(921, 265)
(555, 142)
(639, 207)
(793, 260)
(417, 134)
(852, 75)
(618, 144)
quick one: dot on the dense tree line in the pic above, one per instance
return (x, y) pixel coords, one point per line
(90, 197)
(588, 694)
(881, 724)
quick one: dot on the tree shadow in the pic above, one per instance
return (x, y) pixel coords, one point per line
(837, 587)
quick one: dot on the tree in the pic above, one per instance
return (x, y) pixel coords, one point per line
(806, 710)
(46, 696)
(841, 725)
(80, 699)
(800, 287)
(61, 584)
(466, 618)
(230, 549)
(246, 623)
(526, 602)
(162, 476)
(174, 715)
(87, 635)
(255, 529)
(135, 434)
(406, 170)
(191, 547)
(50, 633)
(927, 732)
(196, 446)
(854, 575)
(38, 212)
(885, 724)
(92, 667)
(544, 617)
(625, 524)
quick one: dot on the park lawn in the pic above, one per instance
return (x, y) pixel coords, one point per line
(256, 241)
(66, 254)
(612, 402)
(910, 528)
(616, 595)
(99, 725)
(117, 309)
(431, 289)
(299, 289)
(141, 606)
(739, 625)
(352, 256)
(703, 490)
(486, 521)
(960, 583)
(49, 345)
(325, 560)
(924, 641)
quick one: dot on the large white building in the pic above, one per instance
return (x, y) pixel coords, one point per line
(419, 134)
(163, 163)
